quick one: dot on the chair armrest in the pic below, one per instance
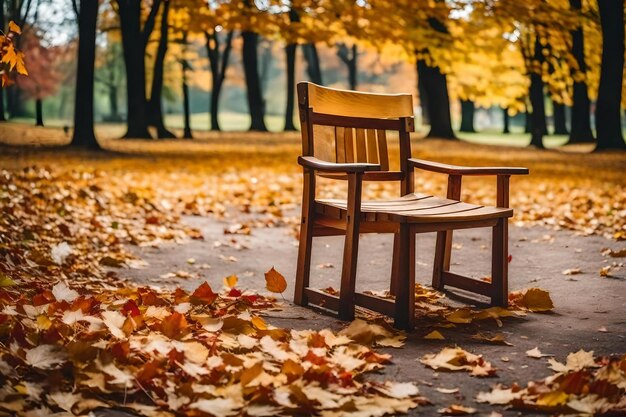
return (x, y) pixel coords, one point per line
(319, 165)
(458, 170)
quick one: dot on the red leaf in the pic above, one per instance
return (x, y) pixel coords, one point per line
(234, 292)
(131, 308)
(203, 295)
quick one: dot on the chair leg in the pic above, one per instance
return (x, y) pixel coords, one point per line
(405, 278)
(303, 268)
(500, 264)
(394, 264)
(348, 271)
(443, 249)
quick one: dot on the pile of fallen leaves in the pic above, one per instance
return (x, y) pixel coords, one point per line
(581, 386)
(193, 353)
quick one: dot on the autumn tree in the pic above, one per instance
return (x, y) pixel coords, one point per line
(135, 38)
(580, 130)
(83, 134)
(44, 77)
(608, 117)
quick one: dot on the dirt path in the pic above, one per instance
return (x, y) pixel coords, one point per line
(586, 303)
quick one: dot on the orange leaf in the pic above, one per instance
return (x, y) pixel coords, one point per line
(274, 281)
(174, 326)
(203, 295)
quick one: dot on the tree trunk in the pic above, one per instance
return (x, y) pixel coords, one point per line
(256, 104)
(538, 125)
(506, 121)
(114, 112)
(134, 61)
(608, 117)
(580, 129)
(290, 54)
(2, 116)
(538, 116)
(218, 62)
(83, 134)
(527, 120)
(437, 100)
(38, 112)
(312, 59)
(186, 112)
(421, 90)
(349, 57)
(155, 104)
(467, 116)
(560, 122)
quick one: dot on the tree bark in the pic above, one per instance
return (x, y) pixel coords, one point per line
(312, 59)
(560, 122)
(538, 126)
(421, 91)
(256, 104)
(349, 57)
(608, 117)
(527, 120)
(467, 116)
(155, 104)
(133, 43)
(580, 129)
(506, 120)
(218, 62)
(38, 112)
(290, 54)
(187, 134)
(2, 116)
(83, 135)
(437, 101)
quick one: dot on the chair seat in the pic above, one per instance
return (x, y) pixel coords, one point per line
(413, 208)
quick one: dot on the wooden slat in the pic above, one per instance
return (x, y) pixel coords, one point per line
(349, 144)
(340, 144)
(368, 176)
(321, 299)
(372, 147)
(468, 215)
(361, 153)
(358, 104)
(465, 283)
(442, 226)
(382, 150)
(362, 122)
(371, 302)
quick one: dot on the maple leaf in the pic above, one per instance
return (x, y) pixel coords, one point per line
(230, 281)
(46, 357)
(457, 359)
(274, 281)
(62, 292)
(174, 326)
(203, 295)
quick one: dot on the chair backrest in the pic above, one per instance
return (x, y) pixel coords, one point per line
(351, 126)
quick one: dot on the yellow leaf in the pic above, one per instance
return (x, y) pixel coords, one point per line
(551, 399)
(434, 335)
(13, 27)
(274, 281)
(536, 299)
(259, 323)
(230, 281)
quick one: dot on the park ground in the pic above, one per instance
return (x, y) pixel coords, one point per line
(228, 204)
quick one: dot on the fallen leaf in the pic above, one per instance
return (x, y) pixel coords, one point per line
(434, 335)
(274, 281)
(536, 353)
(572, 271)
(457, 410)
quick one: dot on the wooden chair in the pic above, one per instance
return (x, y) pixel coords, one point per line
(344, 138)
